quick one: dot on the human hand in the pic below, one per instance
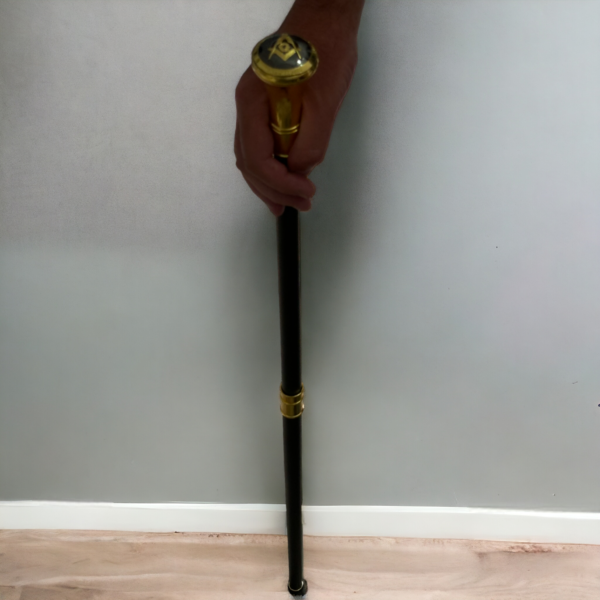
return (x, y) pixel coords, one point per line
(274, 183)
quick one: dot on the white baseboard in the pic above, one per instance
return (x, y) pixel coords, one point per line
(380, 521)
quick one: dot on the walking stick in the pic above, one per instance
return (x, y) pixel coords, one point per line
(284, 62)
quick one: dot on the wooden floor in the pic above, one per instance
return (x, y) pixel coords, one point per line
(93, 565)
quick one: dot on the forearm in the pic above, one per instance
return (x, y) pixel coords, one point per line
(325, 22)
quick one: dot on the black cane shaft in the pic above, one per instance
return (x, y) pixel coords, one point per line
(292, 451)
(288, 258)
(288, 253)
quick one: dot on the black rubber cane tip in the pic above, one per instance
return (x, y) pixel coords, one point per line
(301, 592)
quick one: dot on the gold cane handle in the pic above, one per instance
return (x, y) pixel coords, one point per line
(284, 62)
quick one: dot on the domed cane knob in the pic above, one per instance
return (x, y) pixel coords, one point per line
(284, 62)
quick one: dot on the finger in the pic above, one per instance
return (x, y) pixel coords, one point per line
(311, 144)
(276, 209)
(257, 145)
(263, 193)
(276, 197)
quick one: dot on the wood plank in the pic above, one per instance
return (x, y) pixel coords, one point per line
(78, 565)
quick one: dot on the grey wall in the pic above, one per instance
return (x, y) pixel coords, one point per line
(451, 262)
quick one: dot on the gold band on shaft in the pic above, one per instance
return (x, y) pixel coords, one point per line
(285, 130)
(291, 406)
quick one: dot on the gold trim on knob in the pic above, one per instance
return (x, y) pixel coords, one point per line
(291, 406)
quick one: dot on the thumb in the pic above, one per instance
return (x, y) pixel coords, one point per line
(310, 146)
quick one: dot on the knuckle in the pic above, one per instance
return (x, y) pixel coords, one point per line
(243, 90)
(251, 168)
(239, 163)
(308, 162)
(318, 156)
(255, 168)
(239, 94)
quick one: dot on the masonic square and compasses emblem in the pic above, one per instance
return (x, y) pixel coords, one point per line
(285, 47)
